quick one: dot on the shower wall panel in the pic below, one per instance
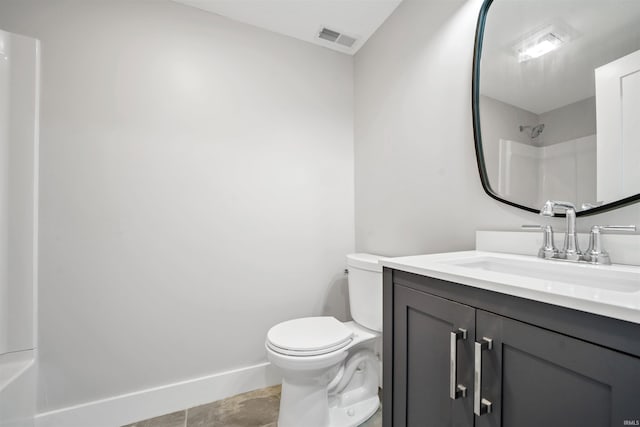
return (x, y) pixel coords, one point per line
(19, 89)
(18, 183)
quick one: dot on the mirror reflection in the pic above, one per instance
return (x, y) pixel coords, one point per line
(559, 102)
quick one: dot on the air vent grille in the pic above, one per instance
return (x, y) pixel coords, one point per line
(345, 40)
(328, 34)
(336, 37)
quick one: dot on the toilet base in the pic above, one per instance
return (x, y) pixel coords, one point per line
(353, 415)
(337, 389)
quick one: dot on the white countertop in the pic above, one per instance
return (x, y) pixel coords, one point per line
(617, 296)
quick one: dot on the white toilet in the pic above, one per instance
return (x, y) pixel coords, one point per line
(331, 369)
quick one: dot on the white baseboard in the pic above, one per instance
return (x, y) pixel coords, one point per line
(131, 407)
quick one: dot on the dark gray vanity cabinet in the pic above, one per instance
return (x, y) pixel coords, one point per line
(546, 366)
(535, 377)
(423, 326)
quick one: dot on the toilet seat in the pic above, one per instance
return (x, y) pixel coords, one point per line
(309, 336)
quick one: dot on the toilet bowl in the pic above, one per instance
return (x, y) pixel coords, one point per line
(330, 369)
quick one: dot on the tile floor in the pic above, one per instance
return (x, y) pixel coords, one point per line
(257, 408)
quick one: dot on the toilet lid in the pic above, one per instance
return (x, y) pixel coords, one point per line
(309, 336)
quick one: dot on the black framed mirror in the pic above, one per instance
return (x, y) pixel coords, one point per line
(556, 102)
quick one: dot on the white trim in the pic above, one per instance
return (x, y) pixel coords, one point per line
(131, 407)
(36, 194)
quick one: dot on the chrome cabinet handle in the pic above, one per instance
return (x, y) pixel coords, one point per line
(480, 406)
(456, 390)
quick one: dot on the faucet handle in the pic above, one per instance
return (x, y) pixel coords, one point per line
(591, 205)
(548, 249)
(614, 227)
(531, 227)
(596, 253)
(550, 207)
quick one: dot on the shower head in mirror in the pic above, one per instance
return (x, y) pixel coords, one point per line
(532, 131)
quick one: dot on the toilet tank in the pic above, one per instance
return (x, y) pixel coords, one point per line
(365, 290)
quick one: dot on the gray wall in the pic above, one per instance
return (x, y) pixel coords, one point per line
(196, 189)
(569, 122)
(501, 121)
(417, 184)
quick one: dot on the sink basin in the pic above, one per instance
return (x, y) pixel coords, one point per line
(554, 271)
(608, 290)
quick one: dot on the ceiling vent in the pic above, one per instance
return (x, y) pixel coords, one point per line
(336, 37)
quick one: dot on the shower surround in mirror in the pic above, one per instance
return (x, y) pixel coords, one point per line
(18, 231)
(555, 162)
(556, 101)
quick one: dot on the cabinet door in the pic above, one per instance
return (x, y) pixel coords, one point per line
(422, 369)
(617, 112)
(534, 377)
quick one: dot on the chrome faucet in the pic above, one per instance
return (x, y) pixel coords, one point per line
(548, 249)
(571, 250)
(596, 253)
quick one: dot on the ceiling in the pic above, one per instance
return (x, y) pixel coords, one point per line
(303, 19)
(604, 31)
